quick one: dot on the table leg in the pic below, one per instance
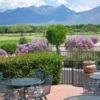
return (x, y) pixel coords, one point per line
(24, 97)
(22, 94)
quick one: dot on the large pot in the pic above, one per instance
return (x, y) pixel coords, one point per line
(89, 66)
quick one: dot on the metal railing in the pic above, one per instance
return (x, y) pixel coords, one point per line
(73, 62)
(69, 72)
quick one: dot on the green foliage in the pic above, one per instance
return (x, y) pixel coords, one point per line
(82, 55)
(56, 35)
(41, 29)
(73, 29)
(75, 59)
(9, 48)
(84, 28)
(22, 65)
(3, 29)
(22, 40)
(73, 64)
(12, 29)
(33, 29)
(21, 28)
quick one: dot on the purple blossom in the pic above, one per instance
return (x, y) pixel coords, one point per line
(78, 43)
(35, 45)
(24, 49)
(94, 39)
(3, 53)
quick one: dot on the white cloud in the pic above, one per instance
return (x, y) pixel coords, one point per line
(12, 4)
(55, 2)
(76, 5)
(83, 5)
(64, 2)
(80, 8)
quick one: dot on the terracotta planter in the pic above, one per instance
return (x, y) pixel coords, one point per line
(89, 66)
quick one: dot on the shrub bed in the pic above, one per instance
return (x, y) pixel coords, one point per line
(9, 48)
(22, 65)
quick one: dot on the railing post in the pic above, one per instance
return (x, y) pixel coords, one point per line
(72, 75)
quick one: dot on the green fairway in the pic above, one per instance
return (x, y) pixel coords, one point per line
(15, 39)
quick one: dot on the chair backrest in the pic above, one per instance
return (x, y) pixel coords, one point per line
(38, 73)
(84, 81)
(82, 77)
(47, 84)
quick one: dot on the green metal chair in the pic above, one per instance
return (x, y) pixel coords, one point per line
(40, 74)
(88, 88)
(7, 91)
(45, 89)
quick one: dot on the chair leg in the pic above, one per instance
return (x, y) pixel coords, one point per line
(36, 99)
(45, 97)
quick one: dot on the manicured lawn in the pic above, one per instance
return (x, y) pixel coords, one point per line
(15, 39)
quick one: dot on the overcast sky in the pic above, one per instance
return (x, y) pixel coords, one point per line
(76, 5)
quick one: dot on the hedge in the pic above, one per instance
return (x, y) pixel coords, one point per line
(23, 64)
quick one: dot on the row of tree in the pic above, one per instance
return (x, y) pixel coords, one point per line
(84, 28)
(23, 28)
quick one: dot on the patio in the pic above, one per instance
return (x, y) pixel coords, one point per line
(60, 92)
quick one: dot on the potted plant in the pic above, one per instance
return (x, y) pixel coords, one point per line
(89, 66)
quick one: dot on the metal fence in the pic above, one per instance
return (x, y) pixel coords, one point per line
(69, 72)
(73, 63)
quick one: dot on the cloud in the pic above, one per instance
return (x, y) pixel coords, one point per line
(55, 2)
(64, 2)
(76, 5)
(82, 5)
(12, 4)
(80, 8)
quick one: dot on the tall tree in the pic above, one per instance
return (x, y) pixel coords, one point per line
(56, 35)
(22, 28)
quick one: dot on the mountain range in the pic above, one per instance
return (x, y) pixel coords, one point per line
(49, 15)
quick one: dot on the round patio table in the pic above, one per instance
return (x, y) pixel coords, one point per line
(95, 76)
(24, 82)
(83, 97)
(96, 81)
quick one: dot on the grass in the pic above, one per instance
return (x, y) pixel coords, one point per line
(14, 38)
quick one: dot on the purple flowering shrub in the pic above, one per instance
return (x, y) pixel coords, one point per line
(94, 39)
(3, 53)
(21, 48)
(78, 43)
(35, 45)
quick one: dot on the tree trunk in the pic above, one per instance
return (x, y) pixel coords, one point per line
(57, 49)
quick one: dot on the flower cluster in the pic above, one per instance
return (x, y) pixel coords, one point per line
(35, 45)
(3, 53)
(94, 39)
(78, 43)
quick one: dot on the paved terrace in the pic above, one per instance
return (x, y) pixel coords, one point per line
(60, 92)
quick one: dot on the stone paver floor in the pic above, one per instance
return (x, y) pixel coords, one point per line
(60, 92)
